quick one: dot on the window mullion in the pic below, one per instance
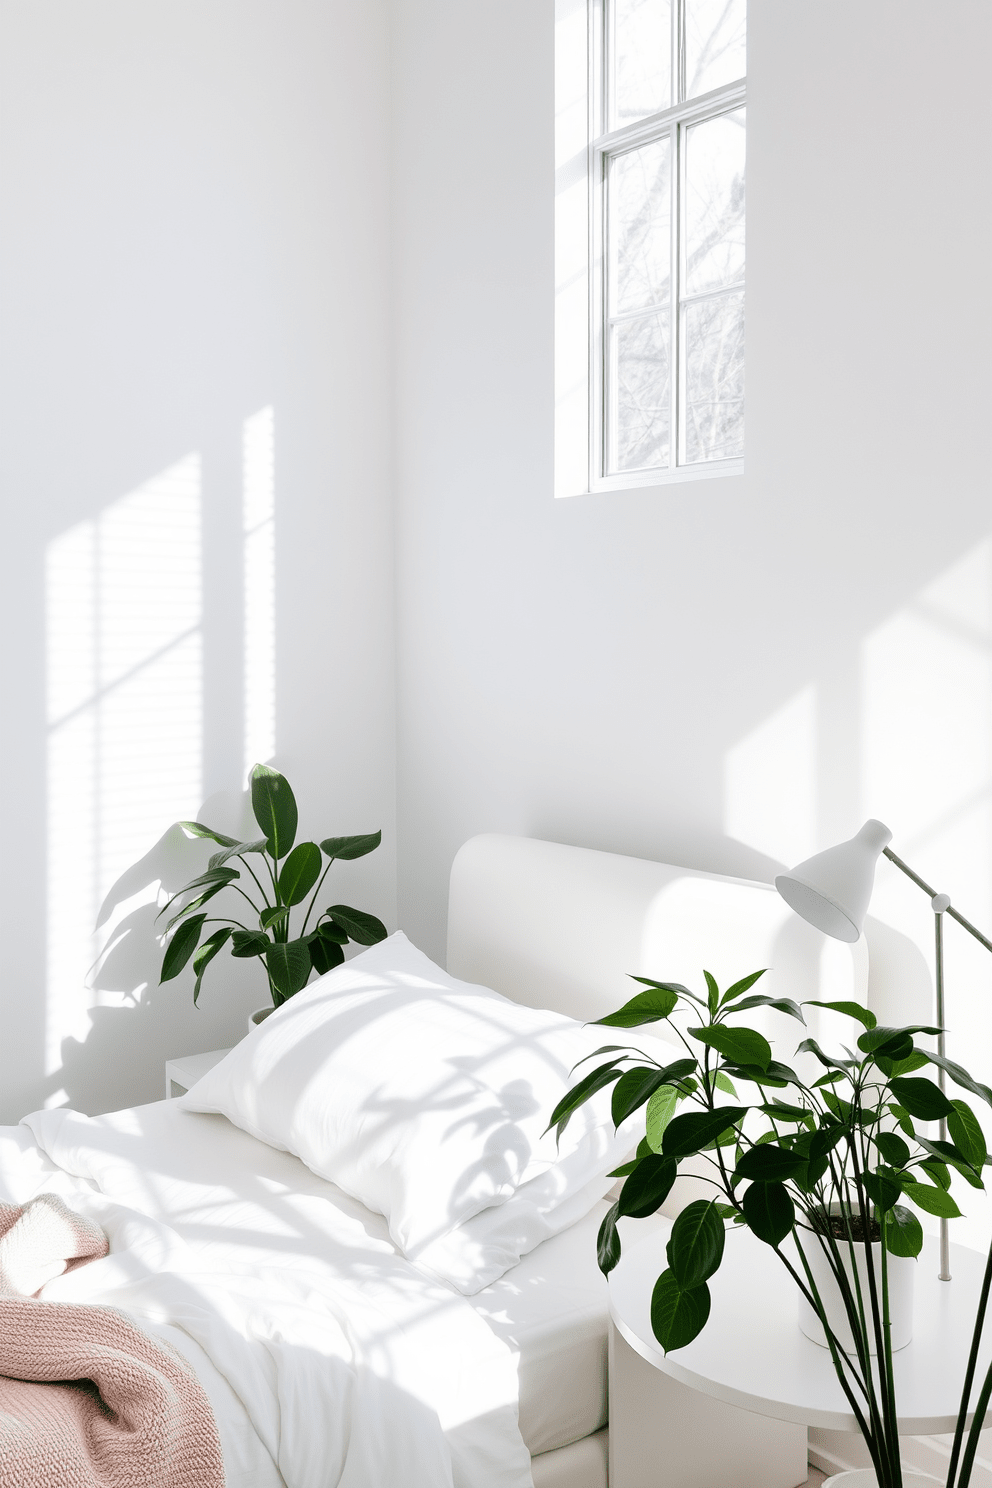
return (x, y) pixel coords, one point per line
(676, 353)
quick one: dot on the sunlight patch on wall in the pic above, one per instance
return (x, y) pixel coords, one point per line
(927, 773)
(927, 733)
(260, 588)
(770, 783)
(124, 705)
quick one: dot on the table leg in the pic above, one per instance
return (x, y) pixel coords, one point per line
(665, 1435)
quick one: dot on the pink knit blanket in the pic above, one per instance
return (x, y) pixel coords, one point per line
(86, 1399)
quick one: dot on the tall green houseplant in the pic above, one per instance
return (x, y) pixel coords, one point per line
(286, 875)
(827, 1165)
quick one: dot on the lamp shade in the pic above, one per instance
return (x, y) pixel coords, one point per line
(832, 890)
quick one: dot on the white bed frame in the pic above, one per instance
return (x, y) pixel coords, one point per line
(563, 927)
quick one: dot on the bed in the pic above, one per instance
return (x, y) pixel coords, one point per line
(328, 1356)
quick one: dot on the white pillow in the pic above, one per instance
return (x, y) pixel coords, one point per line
(426, 1098)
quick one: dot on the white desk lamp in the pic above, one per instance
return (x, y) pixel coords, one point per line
(832, 891)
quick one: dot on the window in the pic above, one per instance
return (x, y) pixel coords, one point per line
(663, 259)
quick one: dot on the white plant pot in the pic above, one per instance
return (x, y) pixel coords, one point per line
(864, 1477)
(902, 1275)
(259, 1016)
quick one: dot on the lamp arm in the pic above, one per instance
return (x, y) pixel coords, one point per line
(965, 924)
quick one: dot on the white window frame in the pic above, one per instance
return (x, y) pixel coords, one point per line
(583, 147)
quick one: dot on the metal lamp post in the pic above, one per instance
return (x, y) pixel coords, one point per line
(832, 890)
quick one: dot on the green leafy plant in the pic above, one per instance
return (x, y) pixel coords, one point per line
(286, 876)
(827, 1164)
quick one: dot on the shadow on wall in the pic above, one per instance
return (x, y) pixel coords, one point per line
(125, 674)
(904, 736)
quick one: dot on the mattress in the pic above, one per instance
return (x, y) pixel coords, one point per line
(552, 1310)
(215, 1186)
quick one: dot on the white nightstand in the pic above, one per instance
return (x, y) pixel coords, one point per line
(182, 1073)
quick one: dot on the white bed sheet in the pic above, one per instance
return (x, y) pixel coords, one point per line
(552, 1311)
(351, 1367)
(217, 1188)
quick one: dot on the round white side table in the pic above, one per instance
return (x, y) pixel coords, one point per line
(751, 1361)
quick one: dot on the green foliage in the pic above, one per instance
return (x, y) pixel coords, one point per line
(677, 1316)
(842, 1144)
(271, 893)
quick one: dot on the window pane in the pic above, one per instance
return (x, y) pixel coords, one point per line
(640, 225)
(643, 412)
(714, 203)
(642, 58)
(715, 44)
(714, 376)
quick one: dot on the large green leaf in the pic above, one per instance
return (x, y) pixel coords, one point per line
(677, 1317)
(325, 954)
(249, 943)
(883, 1188)
(364, 928)
(212, 878)
(587, 1087)
(893, 1149)
(775, 1075)
(768, 1163)
(274, 805)
(769, 1211)
(648, 1186)
(936, 1170)
(823, 1141)
(713, 993)
(608, 1242)
(894, 1043)
(351, 847)
(780, 1111)
(273, 914)
(921, 1098)
(695, 1249)
(289, 966)
(810, 1046)
(892, 1067)
(696, 1129)
(636, 1086)
(194, 904)
(966, 1134)
(933, 1200)
(961, 1077)
(944, 1153)
(197, 829)
(647, 1007)
(780, 1004)
(661, 1108)
(206, 953)
(851, 1009)
(739, 1045)
(903, 1232)
(237, 849)
(300, 872)
(181, 947)
(331, 933)
(739, 988)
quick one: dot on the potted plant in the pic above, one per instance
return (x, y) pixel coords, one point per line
(285, 878)
(818, 1171)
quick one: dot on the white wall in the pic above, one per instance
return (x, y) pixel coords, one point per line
(727, 673)
(195, 223)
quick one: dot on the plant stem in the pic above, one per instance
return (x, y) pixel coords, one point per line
(981, 1406)
(313, 900)
(969, 1377)
(265, 897)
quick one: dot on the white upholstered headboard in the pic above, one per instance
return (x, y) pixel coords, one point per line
(561, 927)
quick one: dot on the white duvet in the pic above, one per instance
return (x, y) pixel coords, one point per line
(328, 1359)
